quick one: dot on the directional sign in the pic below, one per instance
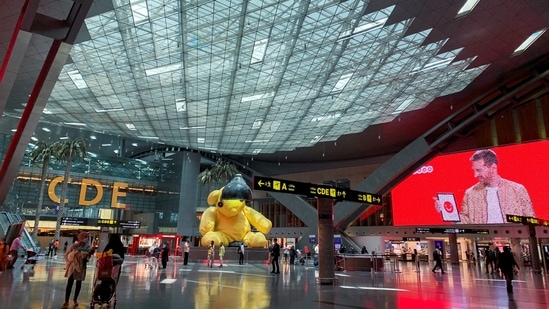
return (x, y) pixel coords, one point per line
(107, 222)
(314, 190)
(527, 220)
(451, 230)
(130, 224)
(74, 221)
(127, 224)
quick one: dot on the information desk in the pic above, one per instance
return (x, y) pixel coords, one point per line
(363, 262)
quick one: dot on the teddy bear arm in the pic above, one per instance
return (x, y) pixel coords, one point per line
(258, 220)
(207, 222)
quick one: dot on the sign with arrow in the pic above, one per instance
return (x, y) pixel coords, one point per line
(314, 190)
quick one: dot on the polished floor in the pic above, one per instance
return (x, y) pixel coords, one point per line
(251, 286)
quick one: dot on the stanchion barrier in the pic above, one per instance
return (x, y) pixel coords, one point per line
(396, 266)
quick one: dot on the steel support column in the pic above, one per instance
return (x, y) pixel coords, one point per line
(56, 58)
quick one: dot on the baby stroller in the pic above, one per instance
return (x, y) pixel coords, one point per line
(300, 257)
(152, 256)
(32, 257)
(105, 280)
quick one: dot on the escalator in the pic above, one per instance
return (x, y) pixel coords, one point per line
(12, 225)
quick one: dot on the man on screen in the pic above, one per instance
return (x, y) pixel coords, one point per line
(493, 197)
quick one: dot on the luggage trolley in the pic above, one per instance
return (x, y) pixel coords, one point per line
(105, 281)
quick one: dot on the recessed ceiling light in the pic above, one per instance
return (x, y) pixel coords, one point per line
(34, 138)
(180, 105)
(93, 137)
(45, 129)
(134, 144)
(130, 126)
(64, 137)
(467, 8)
(75, 124)
(106, 145)
(107, 110)
(528, 42)
(148, 137)
(14, 130)
(200, 140)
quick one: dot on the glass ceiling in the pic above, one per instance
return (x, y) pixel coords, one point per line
(248, 77)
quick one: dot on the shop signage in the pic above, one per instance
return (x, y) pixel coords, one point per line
(117, 192)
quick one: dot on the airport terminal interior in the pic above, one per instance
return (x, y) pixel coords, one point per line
(360, 133)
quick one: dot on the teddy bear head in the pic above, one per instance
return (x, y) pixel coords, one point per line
(232, 198)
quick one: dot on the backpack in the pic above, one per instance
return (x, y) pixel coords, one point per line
(436, 254)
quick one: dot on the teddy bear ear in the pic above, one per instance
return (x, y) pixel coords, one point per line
(213, 197)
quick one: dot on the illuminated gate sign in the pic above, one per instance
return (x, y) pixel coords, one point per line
(116, 193)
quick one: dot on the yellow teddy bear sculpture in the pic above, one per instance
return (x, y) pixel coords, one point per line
(228, 219)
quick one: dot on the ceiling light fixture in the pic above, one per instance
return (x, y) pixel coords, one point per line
(342, 82)
(64, 137)
(93, 137)
(467, 8)
(316, 139)
(189, 128)
(77, 79)
(106, 145)
(45, 129)
(76, 124)
(106, 110)
(258, 53)
(200, 140)
(148, 137)
(180, 105)
(163, 69)
(362, 29)
(34, 138)
(257, 124)
(528, 42)
(130, 126)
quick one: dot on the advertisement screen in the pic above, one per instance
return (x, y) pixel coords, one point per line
(484, 193)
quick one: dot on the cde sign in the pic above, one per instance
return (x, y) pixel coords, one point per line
(82, 201)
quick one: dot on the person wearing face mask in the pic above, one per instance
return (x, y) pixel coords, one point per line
(76, 259)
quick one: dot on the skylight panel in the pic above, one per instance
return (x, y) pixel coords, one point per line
(77, 79)
(402, 106)
(467, 8)
(342, 82)
(131, 126)
(258, 54)
(363, 29)
(180, 105)
(107, 110)
(257, 124)
(257, 97)
(163, 69)
(528, 42)
(140, 12)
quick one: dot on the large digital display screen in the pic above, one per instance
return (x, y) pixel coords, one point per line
(484, 193)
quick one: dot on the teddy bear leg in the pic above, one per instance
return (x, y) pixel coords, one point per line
(217, 237)
(255, 240)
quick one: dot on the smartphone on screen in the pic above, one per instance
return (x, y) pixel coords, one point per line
(448, 207)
